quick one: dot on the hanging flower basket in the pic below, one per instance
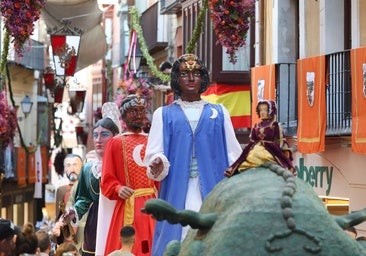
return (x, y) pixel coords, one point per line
(8, 122)
(231, 19)
(20, 16)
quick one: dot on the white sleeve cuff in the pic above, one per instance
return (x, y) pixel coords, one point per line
(165, 171)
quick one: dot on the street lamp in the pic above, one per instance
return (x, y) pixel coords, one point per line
(81, 134)
(54, 84)
(26, 105)
(77, 93)
(65, 44)
(49, 78)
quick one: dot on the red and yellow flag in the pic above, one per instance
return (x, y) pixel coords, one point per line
(358, 73)
(235, 98)
(311, 104)
(263, 87)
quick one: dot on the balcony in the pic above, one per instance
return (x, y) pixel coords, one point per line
(170, 7)
(338, 95)
(154, 29)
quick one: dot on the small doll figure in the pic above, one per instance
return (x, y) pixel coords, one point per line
(267, 143)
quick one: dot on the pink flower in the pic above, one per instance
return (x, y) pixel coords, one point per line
(19, 17)
(133, 86)
(8, 122)
(230, 19)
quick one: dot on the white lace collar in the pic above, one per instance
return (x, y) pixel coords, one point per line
(96, 169)
(191, 104)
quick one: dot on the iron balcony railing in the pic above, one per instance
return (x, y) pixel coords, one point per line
(286, 97)
(338, 95)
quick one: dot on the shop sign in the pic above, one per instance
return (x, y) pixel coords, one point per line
(316, 176)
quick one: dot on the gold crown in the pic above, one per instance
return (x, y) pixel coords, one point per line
(189, 61)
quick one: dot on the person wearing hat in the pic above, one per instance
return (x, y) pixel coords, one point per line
(124, 180)
(7, 237)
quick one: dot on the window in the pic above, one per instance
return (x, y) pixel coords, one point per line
(213, 55)
(338, 94)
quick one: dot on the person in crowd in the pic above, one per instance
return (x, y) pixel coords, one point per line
(124, 180)
(166, 68)
(65, 197)
(44, 243)
(7, 237)
(26, 242)
(87, 193)
(127, 238)
(190, 144)
(267, 143)
(67, 249)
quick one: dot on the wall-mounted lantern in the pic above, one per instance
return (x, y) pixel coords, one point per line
(26, 105)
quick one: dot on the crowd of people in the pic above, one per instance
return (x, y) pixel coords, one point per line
(191, 146)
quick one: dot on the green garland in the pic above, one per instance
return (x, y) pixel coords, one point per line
(4, 54)
(43, 119)
(191, 46)
(135, 25)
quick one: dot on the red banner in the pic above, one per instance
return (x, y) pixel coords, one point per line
(311, 104)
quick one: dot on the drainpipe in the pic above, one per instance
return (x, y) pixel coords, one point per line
(258, 33)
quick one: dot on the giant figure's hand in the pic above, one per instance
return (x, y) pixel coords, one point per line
(156, 167)
(125, 192)
(68, 216)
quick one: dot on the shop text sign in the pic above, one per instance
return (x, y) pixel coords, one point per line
(316, 176)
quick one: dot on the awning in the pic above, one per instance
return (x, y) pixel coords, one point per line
(32, 56)
(84, 14)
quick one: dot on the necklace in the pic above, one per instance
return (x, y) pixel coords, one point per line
(92, 188)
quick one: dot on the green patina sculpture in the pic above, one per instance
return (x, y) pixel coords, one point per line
(262, 211)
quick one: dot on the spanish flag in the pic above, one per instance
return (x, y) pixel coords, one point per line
(263, 87)
(311, 104)
(358, 73)
(235, 98)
